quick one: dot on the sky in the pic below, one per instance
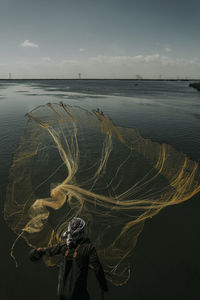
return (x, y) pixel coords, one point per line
(100, 38)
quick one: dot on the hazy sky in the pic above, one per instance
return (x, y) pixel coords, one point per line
(99, 38)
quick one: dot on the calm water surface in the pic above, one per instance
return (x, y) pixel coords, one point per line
(166, 261)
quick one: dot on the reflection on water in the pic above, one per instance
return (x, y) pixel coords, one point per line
(162, 111)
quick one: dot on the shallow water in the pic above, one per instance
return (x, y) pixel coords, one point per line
(166, 259)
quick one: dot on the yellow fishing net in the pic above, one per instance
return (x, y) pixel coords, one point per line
(71, 162)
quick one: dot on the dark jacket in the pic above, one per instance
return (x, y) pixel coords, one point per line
(72, 279)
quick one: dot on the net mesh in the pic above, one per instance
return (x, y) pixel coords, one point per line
(71, 162)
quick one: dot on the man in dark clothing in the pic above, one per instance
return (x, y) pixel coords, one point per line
(78, 254)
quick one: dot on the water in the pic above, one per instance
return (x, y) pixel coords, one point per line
(166, 259)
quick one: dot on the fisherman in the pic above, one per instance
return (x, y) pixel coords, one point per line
(78, 255)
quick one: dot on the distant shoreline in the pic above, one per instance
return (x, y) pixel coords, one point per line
(95, 79)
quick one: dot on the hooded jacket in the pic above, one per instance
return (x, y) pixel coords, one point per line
(73, 271)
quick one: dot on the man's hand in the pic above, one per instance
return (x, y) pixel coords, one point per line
(40, 250)
(35, 254)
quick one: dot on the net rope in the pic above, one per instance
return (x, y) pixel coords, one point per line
(71, 162)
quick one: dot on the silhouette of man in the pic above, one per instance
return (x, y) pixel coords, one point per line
(78, 255)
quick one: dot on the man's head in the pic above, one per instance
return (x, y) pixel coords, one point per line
(75, 231)
(76, 224)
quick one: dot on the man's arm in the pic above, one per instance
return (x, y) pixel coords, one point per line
(53, 250)
(36, 254)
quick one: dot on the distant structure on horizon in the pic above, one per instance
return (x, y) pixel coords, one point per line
(79, 75)
(10, 76)
(139, 77)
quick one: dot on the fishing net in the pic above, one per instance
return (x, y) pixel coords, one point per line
(71, 162)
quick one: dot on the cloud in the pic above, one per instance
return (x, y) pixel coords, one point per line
(105, 66)
(82, 49)
(29, 44)
(143, 60)
(70, 61)
(127, 59)
(47, 59)
(151, 58)
(167, 49)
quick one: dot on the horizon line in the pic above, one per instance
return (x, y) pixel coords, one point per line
(82, 79)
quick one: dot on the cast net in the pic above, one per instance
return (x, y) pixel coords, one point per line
(71, 162)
